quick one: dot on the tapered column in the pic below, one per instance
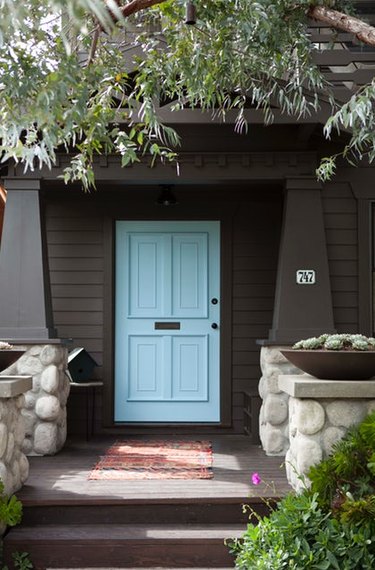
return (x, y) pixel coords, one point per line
(25, 301)
(303, 301)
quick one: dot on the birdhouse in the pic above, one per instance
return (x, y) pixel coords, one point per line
(80, 365)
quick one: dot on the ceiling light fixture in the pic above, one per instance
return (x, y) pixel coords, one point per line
(166, 196)
(191, 14)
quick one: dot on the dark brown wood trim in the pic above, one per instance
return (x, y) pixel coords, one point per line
(226, 323)
(213, 168)
(365, 309)
(108, 323)
(226, 314)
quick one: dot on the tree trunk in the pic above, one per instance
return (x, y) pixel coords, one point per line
(362, 31)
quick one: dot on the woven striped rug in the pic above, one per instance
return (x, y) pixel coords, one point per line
(155, 459)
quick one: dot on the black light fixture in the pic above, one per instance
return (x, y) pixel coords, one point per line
(166, 196)
(191, 14)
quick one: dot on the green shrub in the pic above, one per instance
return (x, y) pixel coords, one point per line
(329, 526)
(299, 535)
(345, 482)
(10, 515)
(10, 508)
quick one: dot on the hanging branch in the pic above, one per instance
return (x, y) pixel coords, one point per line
(362, 31)
(131, 8)
(94, 44)
(134, 6)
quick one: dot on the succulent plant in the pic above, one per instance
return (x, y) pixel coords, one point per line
(337, 342)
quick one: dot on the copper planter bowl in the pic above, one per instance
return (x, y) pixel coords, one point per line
(8, 356)
(334, 364)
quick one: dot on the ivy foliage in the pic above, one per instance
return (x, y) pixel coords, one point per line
(76, 75)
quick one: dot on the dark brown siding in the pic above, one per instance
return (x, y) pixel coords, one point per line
(256, 232)
(340, 214)
(75, 247)
(75, 232)
(75, 236)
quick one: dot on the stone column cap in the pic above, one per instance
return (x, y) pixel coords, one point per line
(19, 342)
(11, 386)
(306, 386)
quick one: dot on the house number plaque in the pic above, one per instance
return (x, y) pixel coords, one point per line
(305, 276)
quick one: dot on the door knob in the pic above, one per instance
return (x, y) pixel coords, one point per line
(214, 301)
(214, 326)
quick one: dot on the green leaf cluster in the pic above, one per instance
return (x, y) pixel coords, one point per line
(345, 481)
(300, 535)
(10, 508)
(330, 526)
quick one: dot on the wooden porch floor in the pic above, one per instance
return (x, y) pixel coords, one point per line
(63, 478)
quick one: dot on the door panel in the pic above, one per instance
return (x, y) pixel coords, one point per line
(167, 354)
(145, 275)
(189, 279)
(145, 368)
(190, 373)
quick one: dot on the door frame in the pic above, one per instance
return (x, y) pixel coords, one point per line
(225, 219)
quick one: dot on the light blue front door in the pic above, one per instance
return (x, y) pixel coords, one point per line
(167, 322)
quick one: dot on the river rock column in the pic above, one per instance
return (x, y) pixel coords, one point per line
(44, 410)
(320, 414)
(14, 466)
(273, 419)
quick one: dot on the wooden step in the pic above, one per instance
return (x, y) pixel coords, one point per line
(189, 512)
(123, 545)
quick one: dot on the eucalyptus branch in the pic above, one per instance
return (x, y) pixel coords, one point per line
(94, 44)
(362, 31)
(138, 5)
(133, 7)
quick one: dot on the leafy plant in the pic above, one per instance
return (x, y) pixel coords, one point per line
(10, 515)
(300, 535)
(330, 526)
(22, 561)
(337, 342)
(10, 508)
(345, 481)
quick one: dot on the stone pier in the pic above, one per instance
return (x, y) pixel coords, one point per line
(320, 414)
(273, 420)
(14, 466)
(44, 409)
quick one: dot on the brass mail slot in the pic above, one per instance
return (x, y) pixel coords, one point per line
(167, 326)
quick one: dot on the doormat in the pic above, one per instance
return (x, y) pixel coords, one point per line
(155, 459)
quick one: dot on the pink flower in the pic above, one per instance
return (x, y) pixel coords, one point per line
(256, 479)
